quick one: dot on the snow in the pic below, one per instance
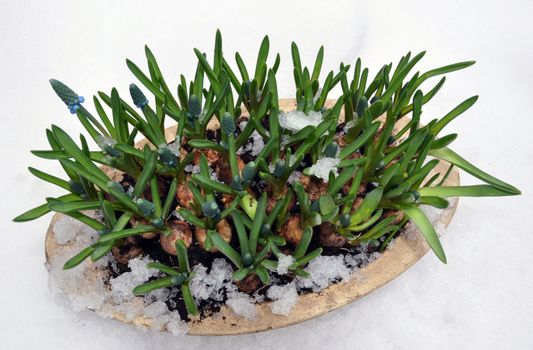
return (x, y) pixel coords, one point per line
(192, 169)
(284, 261)
(66, 229)
(104, 142)
(85, 291)
(175, 146)
(85, 286)
(285, 297)
(122, 285)
(295, 121)
(242, 304)
(254, 146)
(294, 176)
(323, 271)
(323, 166)
(211, 285)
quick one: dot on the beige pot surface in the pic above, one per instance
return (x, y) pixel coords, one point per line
(395, 260)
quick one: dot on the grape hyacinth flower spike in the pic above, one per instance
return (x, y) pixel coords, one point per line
(71, 99)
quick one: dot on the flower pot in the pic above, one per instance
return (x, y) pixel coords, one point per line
(406, 250)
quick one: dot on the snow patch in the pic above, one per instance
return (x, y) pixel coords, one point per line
(285, 297)
(323, 271)
(295, 121)
(323, 166)
(242, 304)
(86, 286)
(284, 261)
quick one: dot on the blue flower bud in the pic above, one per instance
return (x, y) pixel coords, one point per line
(194, 106)
(236, 183)
(279, 168)
(247, 259)
(158, 222)
(248, 172)
(227, 124)
(167, 156)
(179, 279)
(75, 187)
(331, 150)
(345, 220)
(146, 207)
(211, 209)
(67, 95)
(115, 186)
(139, 99)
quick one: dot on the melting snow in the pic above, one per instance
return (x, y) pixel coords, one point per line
(85, 285)
(284, 261)
(297, 120)
(242, 304)
(285, 297)
(323, 166)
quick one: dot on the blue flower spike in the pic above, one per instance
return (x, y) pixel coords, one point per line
(67, 95)
(139, 99)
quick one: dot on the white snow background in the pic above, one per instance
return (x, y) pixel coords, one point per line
(480, 300)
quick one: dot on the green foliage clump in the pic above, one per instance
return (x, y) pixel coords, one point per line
(381, 165)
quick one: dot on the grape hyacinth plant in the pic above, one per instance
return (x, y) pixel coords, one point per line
(242, 180)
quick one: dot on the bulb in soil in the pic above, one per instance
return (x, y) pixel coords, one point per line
(223, 170)
(314, 187)
(127, 251)
(292, 230)
(147, 235)
(397, 213)
(249, 284)
(329, 237)
(184, 195)
(212, 156)
(180, 230)
(223, 228)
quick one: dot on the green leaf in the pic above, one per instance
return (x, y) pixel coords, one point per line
(50, 178)
(454, 113)
(78, 258)
(33, 214)
(452, 157)
(360, 141)
(444, 141)
(212, 184)
(188, 299)
(464, 191)
(71, 148)
(206, 144)
(427, 230)
(262, 273)
(145, 80)
(43, 209)
(65, 207)
(375, 217)
(225, 248)
(146, 288)
(241, 233)
(443, 70)
(183, 259)
(190, 217)
(301, 248)
(241, 274)
(434, 201)
(258, 221)
(114, 235)
(368, 206)
(170, 198)
(147, 173)
(163, 268)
